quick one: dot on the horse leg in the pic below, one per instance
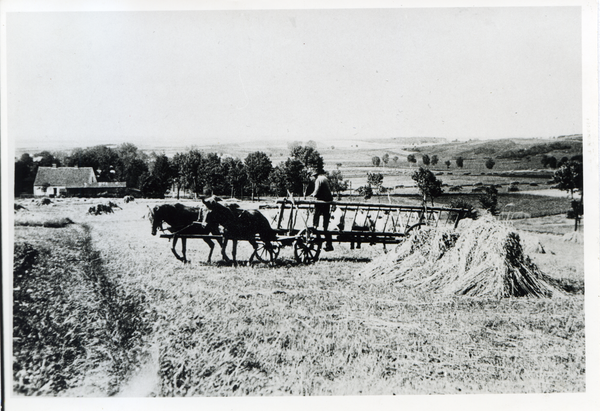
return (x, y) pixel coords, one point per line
(175, 251)
(212, 247)
(254, 247)
(234, 252)
(183, 249)
(224, 249)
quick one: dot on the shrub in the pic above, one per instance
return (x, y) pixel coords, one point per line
(489, 200)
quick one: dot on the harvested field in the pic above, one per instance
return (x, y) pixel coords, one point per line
(217, 330)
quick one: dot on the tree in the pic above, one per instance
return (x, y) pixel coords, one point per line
(288, 176)
(562, 161)
(429, 186)
(569, 177)
(459, 162)
(179, 177)
(375, 180)
(489, 163)
(47, 159)
(309, 156)
(189, 165)
(366, 192)
(411, 158)
(258, 168)
(385, 158)
(151, 186)
(577, 157)
(212, 175)
(235, 175)
(104, 160)
(24, 174)
(376, 161)
(447, 162)
(163, 174)
(552, 162)
(489, 200)
(130, 165)
(337, 182)
(425, 159)
(434, 159)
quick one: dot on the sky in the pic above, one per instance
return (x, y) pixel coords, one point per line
(191, 77)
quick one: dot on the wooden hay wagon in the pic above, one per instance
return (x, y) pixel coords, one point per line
(352, 223)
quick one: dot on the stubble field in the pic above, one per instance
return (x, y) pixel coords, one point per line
(140, 323)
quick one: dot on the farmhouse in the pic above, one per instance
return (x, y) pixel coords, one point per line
(54, 181)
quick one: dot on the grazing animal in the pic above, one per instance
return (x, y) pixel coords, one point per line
(239, 224)
(184, 220)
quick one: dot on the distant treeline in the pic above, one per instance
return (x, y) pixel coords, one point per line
(195, 171)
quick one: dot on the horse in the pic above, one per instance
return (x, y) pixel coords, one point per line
(239, 224)
(183, 220)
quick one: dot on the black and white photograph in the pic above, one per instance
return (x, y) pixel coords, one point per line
(282, 205)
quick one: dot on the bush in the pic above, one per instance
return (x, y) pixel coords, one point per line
(512, 188)
(489, 200)
(366, 192)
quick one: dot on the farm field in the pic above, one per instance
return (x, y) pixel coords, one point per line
(141, 323)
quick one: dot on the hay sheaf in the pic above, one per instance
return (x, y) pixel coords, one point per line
(482, 258)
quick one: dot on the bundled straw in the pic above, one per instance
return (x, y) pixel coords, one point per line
(482, 258)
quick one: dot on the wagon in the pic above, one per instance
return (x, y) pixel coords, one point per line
(353, 223)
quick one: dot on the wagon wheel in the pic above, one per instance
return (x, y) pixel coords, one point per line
(307, 250)
(267, 252)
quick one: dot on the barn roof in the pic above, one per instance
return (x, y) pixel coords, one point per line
(69, 177)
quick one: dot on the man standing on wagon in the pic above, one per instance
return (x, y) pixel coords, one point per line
(322, 192)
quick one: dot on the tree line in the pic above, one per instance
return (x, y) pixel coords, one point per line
(546, 161)
(194, 171)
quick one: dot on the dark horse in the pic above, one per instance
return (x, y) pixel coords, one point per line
(184, 220)
(239, 224)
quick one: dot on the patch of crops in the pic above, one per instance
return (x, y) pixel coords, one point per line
(52, 223)
(70, 321)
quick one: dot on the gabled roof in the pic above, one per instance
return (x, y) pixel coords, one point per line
(69, 177)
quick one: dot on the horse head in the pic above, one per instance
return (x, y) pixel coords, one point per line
(217, 213)
(155, 219)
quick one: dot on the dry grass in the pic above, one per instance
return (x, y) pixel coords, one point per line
(483, 258)
(315, 330)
